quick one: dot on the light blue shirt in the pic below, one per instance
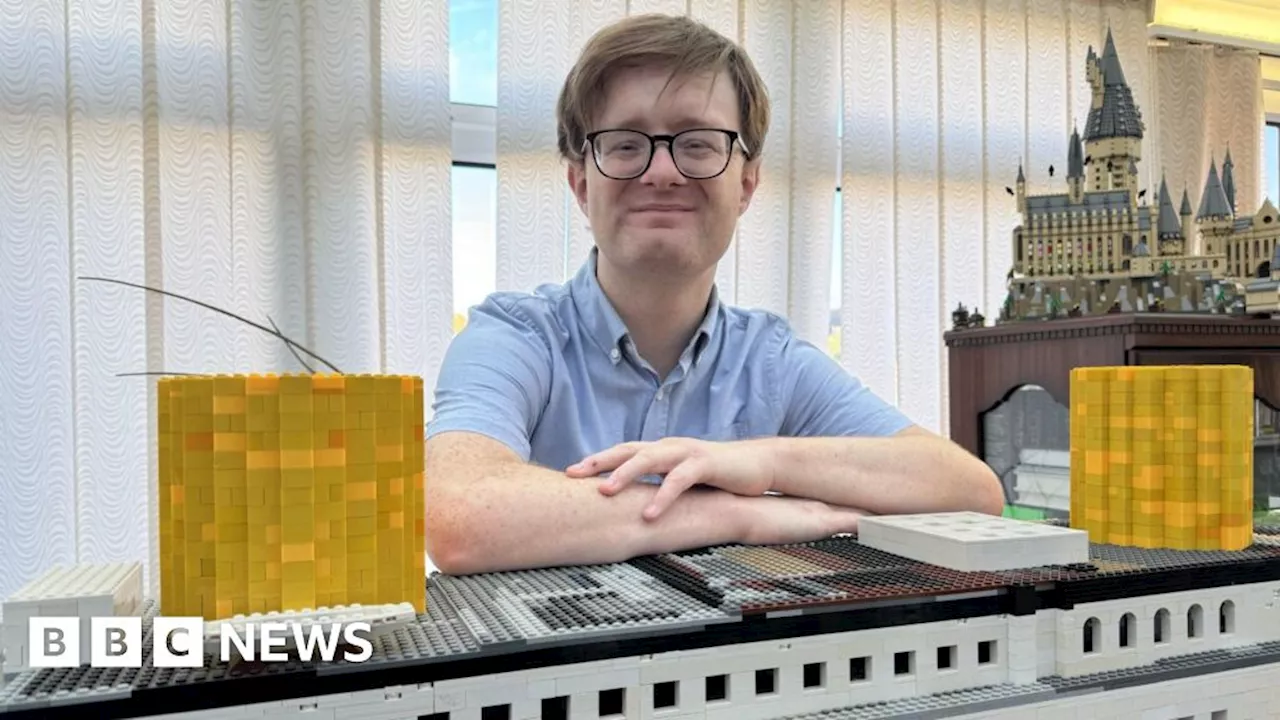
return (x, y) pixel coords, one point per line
(553, 375)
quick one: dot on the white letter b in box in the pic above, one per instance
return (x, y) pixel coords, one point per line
(177, 642)
(116, 642)
(53, 642)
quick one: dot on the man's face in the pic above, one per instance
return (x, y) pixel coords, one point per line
(663, 221)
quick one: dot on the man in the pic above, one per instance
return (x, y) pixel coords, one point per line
(629, 411)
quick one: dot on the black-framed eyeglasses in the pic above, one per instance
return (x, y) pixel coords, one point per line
(698, 153)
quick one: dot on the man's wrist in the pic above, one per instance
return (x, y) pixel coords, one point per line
(766, 457)
(741, 515)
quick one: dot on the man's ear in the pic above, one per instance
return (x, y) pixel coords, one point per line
(750, 181)
(577, 176)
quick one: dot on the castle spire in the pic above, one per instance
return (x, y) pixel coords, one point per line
(1075, 156)
(1167, 223)
(1213, 202)
(1229, 181)
(1117, 115)
(1112, 73)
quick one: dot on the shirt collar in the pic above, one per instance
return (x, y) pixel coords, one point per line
(606, 328)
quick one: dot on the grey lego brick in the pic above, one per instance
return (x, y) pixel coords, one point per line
(577, 603)
(58, 687)
(494, 614)
(485, 623)
(13, 694)
(435, 636)
(939, 705)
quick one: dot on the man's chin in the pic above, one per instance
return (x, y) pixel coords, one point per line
(654, 245)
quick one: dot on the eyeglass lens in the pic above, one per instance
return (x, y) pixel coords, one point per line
(697, 153)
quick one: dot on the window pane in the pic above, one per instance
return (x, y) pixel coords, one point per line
(1271, 169)
(475, 193)
(473, 52)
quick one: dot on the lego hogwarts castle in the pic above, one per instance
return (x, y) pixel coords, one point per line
(1100, 247)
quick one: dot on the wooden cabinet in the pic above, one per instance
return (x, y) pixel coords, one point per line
(987, 364)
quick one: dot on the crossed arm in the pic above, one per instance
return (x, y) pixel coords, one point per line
(488, 510)
(841, 454)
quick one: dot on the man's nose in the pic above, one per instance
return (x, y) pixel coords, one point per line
(662, 169)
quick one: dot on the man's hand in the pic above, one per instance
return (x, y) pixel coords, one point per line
(742, 468)
(784, 520)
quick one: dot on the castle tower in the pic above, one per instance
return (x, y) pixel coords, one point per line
(1075, 168)
(1170, 240)
(1214, 217)
(1113, 135)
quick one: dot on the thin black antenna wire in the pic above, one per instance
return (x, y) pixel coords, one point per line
(159, 372)
(269, 331)
(289, 345)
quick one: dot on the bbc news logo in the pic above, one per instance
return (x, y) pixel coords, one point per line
(179, 642)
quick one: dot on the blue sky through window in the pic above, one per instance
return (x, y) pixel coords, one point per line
(473, 52)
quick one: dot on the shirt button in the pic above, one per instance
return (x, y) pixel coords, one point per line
(614, 354)
(661, 392)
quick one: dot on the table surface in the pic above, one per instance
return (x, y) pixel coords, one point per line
(481, 624)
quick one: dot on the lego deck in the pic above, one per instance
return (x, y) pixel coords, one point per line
(725, 600)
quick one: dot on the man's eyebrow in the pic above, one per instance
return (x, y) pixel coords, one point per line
(681, 122)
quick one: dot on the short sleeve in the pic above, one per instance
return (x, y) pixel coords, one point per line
(495, 377)
(821, 399)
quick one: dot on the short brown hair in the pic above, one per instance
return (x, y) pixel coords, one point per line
(680, 44)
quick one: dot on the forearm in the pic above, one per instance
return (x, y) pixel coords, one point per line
(884, 476)
(517, 516)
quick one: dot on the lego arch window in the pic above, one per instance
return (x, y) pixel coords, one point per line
(1127, 623)
(1195, 621)
(1161, 626)
(1092, 635)
(1226, 617)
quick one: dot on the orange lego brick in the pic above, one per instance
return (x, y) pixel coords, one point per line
(1162, 456)
(280, 492)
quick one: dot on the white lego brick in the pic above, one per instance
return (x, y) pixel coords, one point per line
(596, 682)
(526, 709)
(583, 706)
(382, 619)
(450, 700)
(541, 689)
(497, 693)
(814, 702)
(969, 541)
(79, 591)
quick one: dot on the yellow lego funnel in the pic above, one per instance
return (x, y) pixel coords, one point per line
(289, 492)
(1162, 457)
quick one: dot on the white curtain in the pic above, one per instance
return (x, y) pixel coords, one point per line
(283, 159)
(290, 159)
(1208, 101)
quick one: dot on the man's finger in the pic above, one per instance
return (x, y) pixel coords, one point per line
(682, 477)
(653, 460)
(605, 460)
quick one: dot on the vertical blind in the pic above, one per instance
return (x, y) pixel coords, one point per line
(290, 160)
